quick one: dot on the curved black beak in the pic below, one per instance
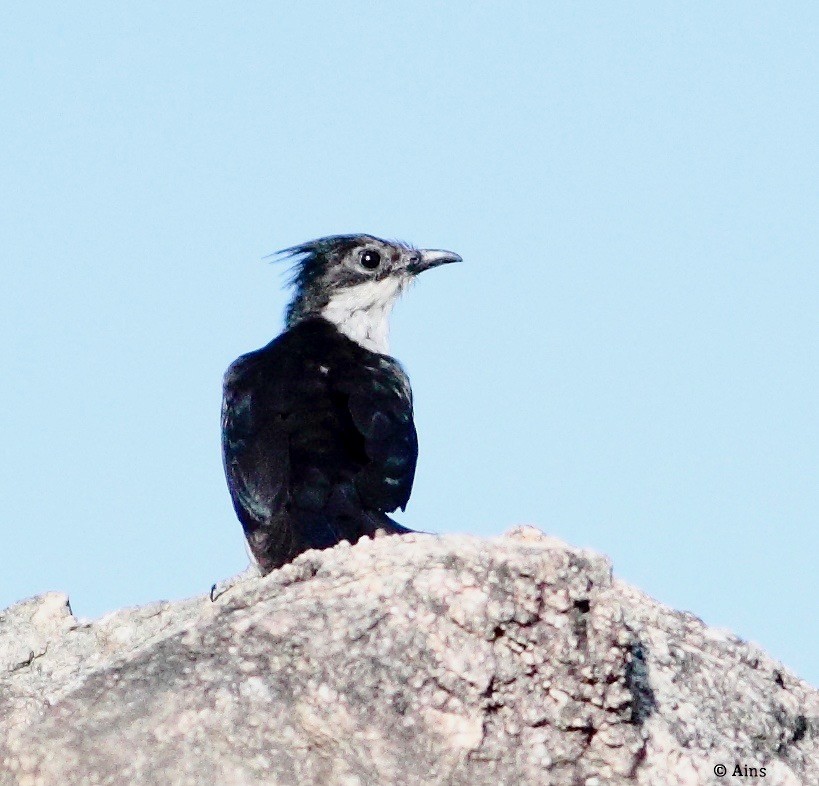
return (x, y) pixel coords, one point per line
(428, 258)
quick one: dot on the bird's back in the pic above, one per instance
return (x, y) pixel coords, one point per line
(318, 441)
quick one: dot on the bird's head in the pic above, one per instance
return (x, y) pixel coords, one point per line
(354, 281)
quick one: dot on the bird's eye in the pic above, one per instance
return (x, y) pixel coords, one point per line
(370, 259)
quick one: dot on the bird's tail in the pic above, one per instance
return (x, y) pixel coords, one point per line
(378, 524)
(281, 540)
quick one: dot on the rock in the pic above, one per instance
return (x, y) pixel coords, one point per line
(411, 660)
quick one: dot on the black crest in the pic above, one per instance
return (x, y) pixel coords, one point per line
(311, 258)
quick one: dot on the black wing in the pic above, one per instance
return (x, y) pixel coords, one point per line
(316, 432)
(254, 448)
(379, 400)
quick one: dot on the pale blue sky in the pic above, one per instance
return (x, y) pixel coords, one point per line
(627, 358)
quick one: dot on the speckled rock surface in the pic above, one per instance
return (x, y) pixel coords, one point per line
(413, 660)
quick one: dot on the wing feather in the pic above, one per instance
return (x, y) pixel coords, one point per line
(317, 436)
(380, 404)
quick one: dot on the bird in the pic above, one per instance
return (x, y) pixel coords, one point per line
(318, 437)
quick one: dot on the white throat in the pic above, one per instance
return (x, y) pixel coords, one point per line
(362, 312)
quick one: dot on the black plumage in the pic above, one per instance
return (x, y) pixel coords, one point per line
(318, 437)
